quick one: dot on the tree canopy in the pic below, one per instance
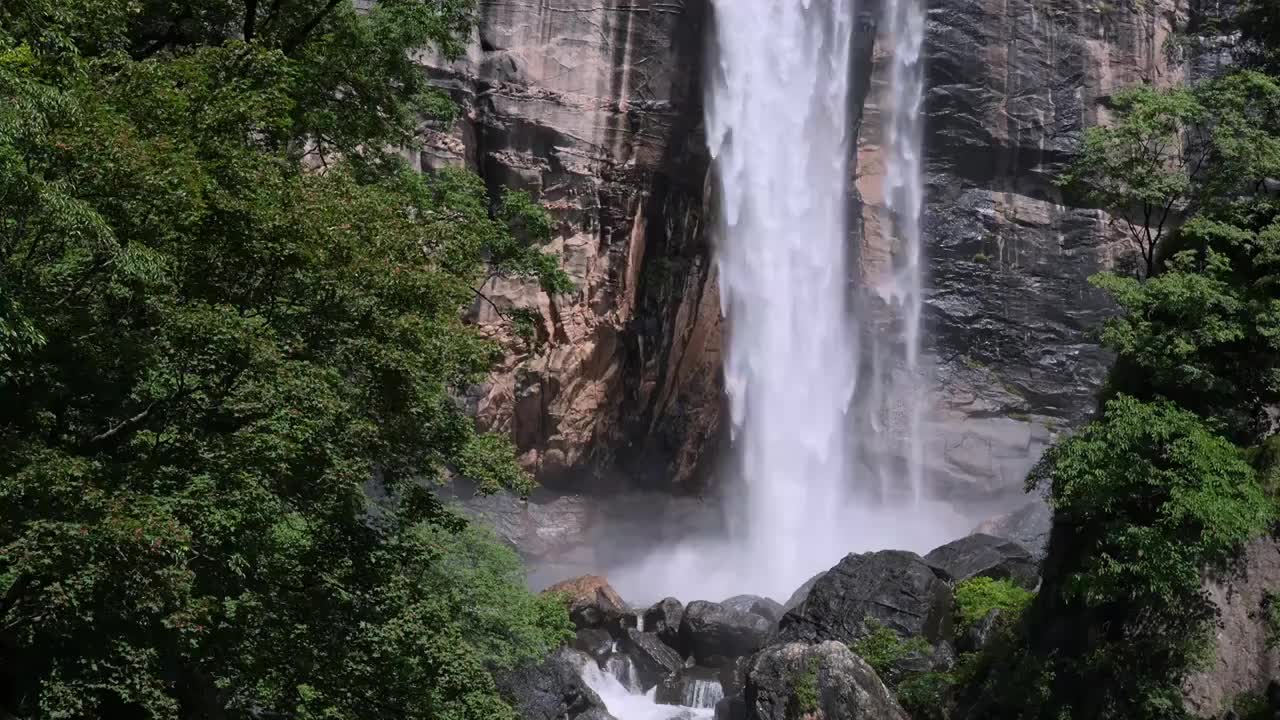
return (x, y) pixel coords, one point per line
(231, 343)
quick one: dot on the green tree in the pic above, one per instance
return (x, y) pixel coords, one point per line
(228, 381)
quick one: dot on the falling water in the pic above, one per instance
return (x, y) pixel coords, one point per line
(778, 128)
(904, 200)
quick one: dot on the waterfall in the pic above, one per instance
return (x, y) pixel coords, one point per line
(779, 132)
(904, 200)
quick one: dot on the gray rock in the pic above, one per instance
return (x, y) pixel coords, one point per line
(653, 660)
(1028, 526)
(839, 685)
(978, 636)
(715, 634)
(891, 587)
(1243, 660)
(801, 593)
(664, 619)
(731, 708)
(983, 555)
(596, 642)
(553, 689)
(766, 608)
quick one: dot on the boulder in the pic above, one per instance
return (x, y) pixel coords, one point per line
(591, 600)
(618, 622)
(596, 642)
(695, 687)
(982, 555)
(797, 680)
(553, 689)
(715, 634)
(801, 593)
(664, 619)
(731, 708)
(892, 587)
(653, 660)
(766, 608)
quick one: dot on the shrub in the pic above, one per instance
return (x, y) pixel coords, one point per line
(978, 596)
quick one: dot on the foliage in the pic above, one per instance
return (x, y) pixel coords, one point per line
(1206, 331)
(926, 695)
(1271, 618)
(804, 696)
(1144, 500)
(226, 378)
(885, 650)
(976, 597)
(1171, 153)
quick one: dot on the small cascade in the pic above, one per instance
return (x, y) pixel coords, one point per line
(703, 693)
(627, 704)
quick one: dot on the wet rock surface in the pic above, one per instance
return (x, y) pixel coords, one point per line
(715, 634)
(553, 690)
(653, 660)
(894, 588)
(663, 619)
(982, 555)
(826, 680)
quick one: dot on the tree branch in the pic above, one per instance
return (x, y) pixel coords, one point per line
(250, 19)
(301, 36)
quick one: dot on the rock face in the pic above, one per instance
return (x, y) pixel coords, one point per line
(892, 587)
(985, 556)
(1242, 661)
(1029, 526)
(828, 681)
(553, 690)
(594, 106)
(716, 634)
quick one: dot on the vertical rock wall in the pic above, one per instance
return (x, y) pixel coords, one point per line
(594, 106)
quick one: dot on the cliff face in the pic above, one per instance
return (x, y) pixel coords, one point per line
(595, 106)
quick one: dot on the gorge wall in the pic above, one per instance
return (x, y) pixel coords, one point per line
(595, 106)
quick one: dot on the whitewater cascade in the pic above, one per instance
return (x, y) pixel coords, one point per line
(778, 130)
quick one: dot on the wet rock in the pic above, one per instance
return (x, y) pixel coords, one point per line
(979, 635)
(894, 588)
(620, 621)
(1028, 526)
(731, 708)
(696, 687)
(653, 659)
(766, 608)
(796, 680)
(664, 620)
(591, 600)
(801, 593)
(982, 555)
(596, 642)
(553, 690)
(715, 634)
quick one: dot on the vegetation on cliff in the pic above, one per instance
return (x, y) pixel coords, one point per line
(230, 347)
(1169, 481)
